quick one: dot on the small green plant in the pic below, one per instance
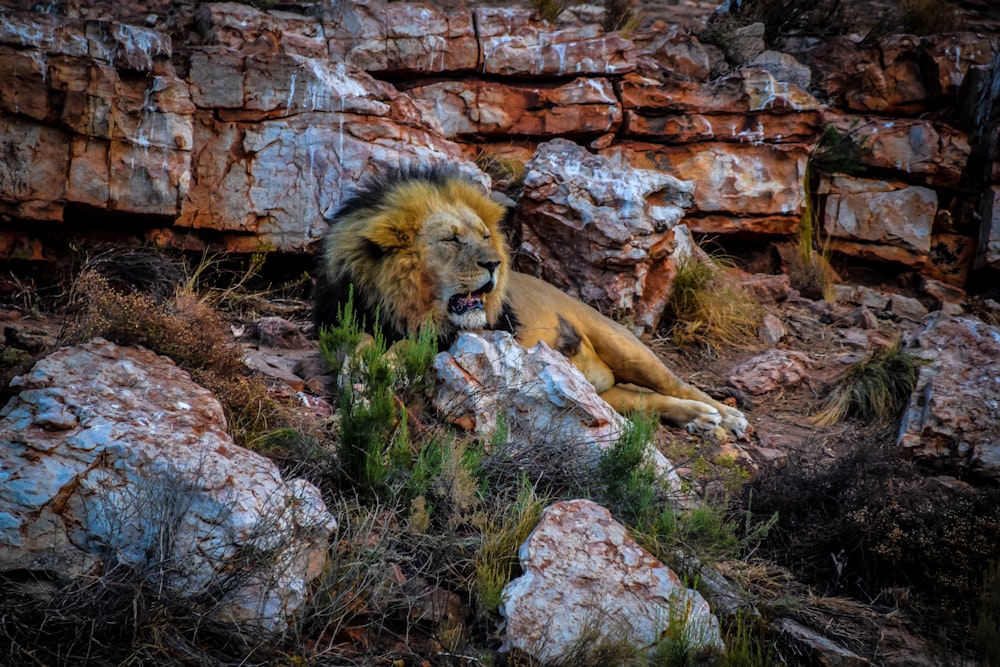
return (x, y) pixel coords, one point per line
(619, 16)
(629, 482)
(710, 310)
(872, 390)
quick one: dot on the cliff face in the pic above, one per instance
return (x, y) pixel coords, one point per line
(222, 125)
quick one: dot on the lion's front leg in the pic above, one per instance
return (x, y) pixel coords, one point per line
(691, 414)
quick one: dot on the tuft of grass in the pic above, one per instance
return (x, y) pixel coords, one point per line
(619, 16)
(548, 10)
(872, 390)
(502, 531)
(710, 309)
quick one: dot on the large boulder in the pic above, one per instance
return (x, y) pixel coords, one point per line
(114, 459)
(549, 411)
(952, 422)
(603, 231)
(586, 579)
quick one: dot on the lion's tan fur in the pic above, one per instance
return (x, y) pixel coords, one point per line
(417, 267)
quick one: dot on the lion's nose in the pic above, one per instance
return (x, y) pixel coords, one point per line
(490, 266)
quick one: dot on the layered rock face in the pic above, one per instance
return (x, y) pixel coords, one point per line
(243, 129)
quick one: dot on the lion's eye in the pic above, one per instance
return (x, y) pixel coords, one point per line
(486, 237)
(453, 239)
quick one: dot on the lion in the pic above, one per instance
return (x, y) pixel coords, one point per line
(425, 248)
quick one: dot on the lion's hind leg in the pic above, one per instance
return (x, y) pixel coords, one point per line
(691, 414)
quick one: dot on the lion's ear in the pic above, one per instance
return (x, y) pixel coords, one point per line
(387, 238)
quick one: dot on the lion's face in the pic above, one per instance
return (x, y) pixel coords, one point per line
(423, 252)
(466, 262)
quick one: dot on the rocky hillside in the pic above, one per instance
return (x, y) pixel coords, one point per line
(845, 170)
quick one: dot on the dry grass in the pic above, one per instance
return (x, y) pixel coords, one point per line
(710, 310)
(872, 390)
(190, 331)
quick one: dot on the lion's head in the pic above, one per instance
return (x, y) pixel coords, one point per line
(423, 249)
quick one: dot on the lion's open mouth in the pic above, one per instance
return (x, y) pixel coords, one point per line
(463, 303)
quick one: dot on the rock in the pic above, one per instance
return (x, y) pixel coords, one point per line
(772, 370)
(744, 43)
(745, 91)
(772, 330)
(737, 226)
(743, 179)
(583, 574)
(401, 37)
(879, 211)
(514, 43)
(767, 288)
(783, 67)
(677, 52)
(275, 156)
(934, 151)
(280, 333)
(90, 113)
(604, 232)
(948, 58)
(886, 78)
(862, 296)
(988, 249)
(584, 106)
(951, 422)
(907, 308)
(545, 403)
(115, 457)
(824, 651)
(240, 27)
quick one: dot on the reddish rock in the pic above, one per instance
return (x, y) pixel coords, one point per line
(772, 370)
(950, 56)
(745, 179)
(950, 258)
(580, 107)
(747, 90)
(937, 152)
(276, 154)
(886, 78)
(677, 52)
(515, 43)
(879, 211)
(401, 37)
(743, 226)
(94, 114)
(738, 127)
(605, 232)
(240, 27)
(951, 421)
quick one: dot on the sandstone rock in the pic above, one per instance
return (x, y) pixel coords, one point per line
(584, 106)
(950, 56)
(822, 649)
(772, 330)
(584, 573)
(988, 248)
(744, 179)
(677, 52)
(401, 37)
(934, 151)
(280, 333)
(551, 413)
(783, 67)
(886, 78)
(604, 232)
(239, 27)
(90, 113)
(744, 43)
(747, 90)
(767, 288)
(737, 226)
(951, 421)
(115, 456)
(879, 211)
(738, 128)
(772, 370)
(276, 155)
(514, 43)
(907, 308)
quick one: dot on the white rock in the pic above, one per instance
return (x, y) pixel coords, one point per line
(584, 573)
(113, 456)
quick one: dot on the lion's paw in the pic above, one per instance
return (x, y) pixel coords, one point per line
(734, 422)
(701, 417)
